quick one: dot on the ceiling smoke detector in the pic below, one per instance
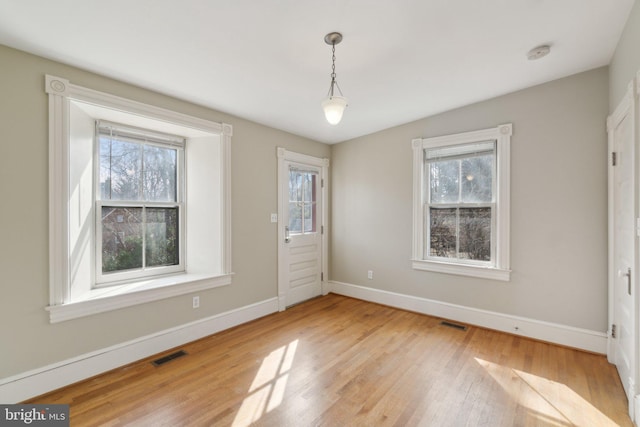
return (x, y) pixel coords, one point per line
(538, 52)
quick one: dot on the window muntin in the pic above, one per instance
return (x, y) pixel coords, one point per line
(138, 203)
(459, 208)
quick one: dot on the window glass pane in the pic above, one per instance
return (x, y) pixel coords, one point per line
(120, 169)
(477, 177)
(443, 179)
(475, 233)
(443, 232)
(295, 217)
(295, 186)
(160, 173)
(302, 197)
(121, 238)
(309, 187)
(161, 237)
(309, 218)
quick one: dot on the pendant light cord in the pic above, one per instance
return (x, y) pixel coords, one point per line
(334, 82)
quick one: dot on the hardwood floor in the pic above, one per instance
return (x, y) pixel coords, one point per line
(338, 361)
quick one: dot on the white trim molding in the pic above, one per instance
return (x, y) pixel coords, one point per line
(42, 380)
(127, 296)
(462, 269)
(225, 177)
(570, 336)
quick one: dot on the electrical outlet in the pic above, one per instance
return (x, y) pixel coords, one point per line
(370, 274)
(196, 302)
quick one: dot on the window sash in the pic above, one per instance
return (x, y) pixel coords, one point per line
(118, 277)
(142, 143)
(427, 255)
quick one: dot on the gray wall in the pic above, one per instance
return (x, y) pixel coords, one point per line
(558, 205)
(28, 339)
(626, 60)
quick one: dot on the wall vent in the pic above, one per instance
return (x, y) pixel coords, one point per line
(454, 325)
(169, 358)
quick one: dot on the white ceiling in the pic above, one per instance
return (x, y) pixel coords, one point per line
(265, 60)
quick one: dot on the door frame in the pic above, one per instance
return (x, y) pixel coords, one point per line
(283, 204)
(626, 108)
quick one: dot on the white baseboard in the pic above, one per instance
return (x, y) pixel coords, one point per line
(570, 336)
(42, 380)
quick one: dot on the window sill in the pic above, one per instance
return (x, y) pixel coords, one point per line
(112, 298)
(462, 269)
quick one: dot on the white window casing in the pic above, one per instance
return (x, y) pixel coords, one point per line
(498, 268)
(73, 111)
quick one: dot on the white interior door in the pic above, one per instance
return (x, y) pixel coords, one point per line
(623, 333)
(301, 254)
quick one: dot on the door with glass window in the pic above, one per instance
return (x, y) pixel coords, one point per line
(300, 255)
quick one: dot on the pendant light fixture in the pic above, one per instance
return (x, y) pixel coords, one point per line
(334, 105)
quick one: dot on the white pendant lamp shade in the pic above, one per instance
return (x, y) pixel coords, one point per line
(333, 107)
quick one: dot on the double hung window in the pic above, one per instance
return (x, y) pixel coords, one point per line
(139, 206)
(461, 203)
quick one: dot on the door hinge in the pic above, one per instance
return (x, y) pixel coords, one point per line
(613, 331)
(322, 229)
(322, 277)
(614, 158)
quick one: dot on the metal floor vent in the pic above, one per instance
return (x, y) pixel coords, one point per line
(453, 325)
(169, 358)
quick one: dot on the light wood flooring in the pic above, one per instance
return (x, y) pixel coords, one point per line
(337, 361)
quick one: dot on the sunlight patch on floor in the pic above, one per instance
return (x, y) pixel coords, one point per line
(551, 402)
(268, 387)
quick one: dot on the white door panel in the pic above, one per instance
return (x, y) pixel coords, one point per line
(300, 255)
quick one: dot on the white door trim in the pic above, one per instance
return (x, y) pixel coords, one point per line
(323, 163)
(626, 108)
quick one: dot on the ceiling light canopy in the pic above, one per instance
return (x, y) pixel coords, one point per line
(334, 105)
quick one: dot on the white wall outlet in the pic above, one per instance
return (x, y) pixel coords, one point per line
(196, 302)
(274, 217)
(370, 274)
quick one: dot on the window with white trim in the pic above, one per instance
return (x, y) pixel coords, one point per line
(140, 202)
(461, 203)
